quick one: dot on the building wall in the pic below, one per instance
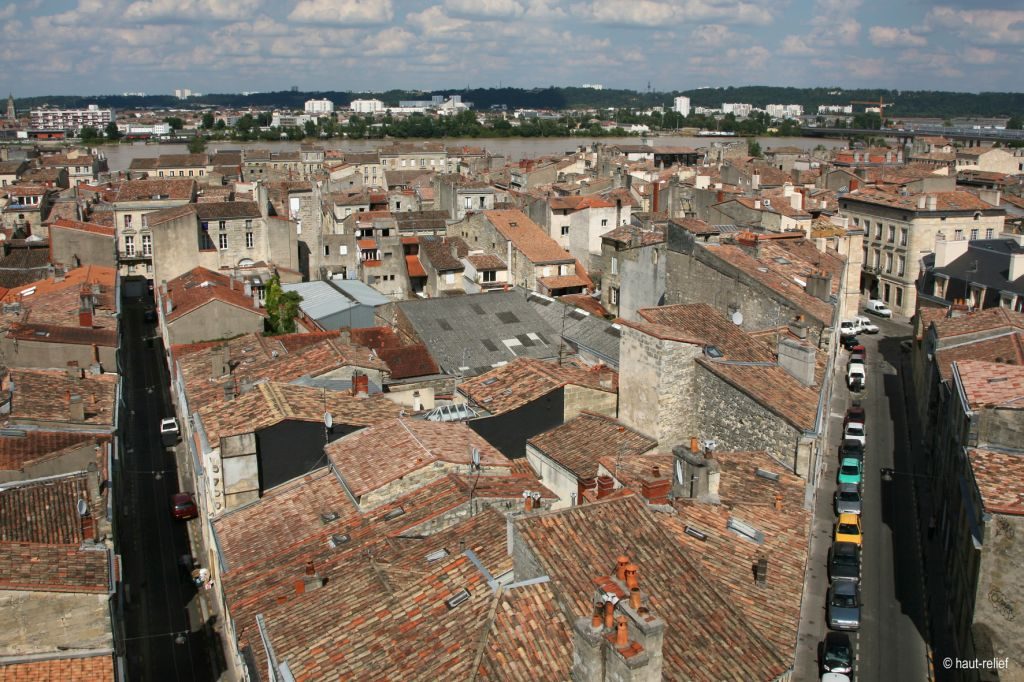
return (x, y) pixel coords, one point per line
(73, 459)
(656, 387)
(44, 355)
(998, 629)
(215, 320)
(639, 277)
(89, 248)
(555, 478)
(738, 423)
(580, 398)
(132, 212)
(293, 448)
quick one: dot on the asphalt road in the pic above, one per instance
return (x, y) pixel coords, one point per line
(891, 642)
(160, 642)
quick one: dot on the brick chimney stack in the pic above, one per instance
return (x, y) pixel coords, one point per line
(85, 308)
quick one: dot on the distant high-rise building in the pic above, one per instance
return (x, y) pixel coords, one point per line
(182, 93)
(12, 115)
(71, 119)
(681, 105)
(593, 86)
(319, 106)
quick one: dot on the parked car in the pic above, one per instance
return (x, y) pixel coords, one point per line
(847, 499)
(849, 342)
(183, 506)
(844, 561)
(855, 413)
(847, 328)
(877, 307)
(855, 431)
(853, 449)
(169, 431)
(866, 325)
(834, 677)
(856, 376)
(850, 471)
(837, 653)
(848, 529)
(844, 605)
(858, 354)
(149, 315)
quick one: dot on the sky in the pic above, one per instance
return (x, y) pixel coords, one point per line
(83, 47)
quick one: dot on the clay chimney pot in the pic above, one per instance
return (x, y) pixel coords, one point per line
(634, 598)
(631, 577)
(310, 568)
(596, 621)
(694, 445)
(622, 633)
(609, 614)
(620, 567)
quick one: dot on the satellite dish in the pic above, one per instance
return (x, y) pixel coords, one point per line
(476, 457)
(328, 420)
(737, 318)
(83, 507)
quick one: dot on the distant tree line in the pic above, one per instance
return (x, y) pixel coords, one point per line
(931, 103)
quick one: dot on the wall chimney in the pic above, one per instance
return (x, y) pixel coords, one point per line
(921, 200)
(693, 473)
(933, 202)
(85, 308)
(1016, 266)
(819, 285)
(947, 251)
(854, 184)
(220, 358)
(76, 408)
(797, 359)
(755, 181)
(605, 485)
(761, 571)
(360, 385)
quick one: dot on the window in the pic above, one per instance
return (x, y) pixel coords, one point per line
(901, 265)
(888, 262)
(147, 245)
(222, 225)
(449, 278)
(615, 265)
(190, 174)
(856, 222)
(342, 250)
(958, 234)
(903, 236)
(248, 223)
(604, 222)
(327, 249)
(129, 246)
(565, 230)
(878, 231)
(398, 205)
(877, 259)
(899, 297)
(974, 234)
(423, 163)
(892, 234)
(989, 233)
(248, 240)
(613, 295)
(222, 241)
(161, 174)
(127, 222)
(489, 276)
(468, 202)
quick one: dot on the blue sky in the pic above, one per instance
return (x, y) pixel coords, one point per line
(155, 46)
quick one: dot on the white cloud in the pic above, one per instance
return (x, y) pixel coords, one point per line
(663, 12)
(981, 26)
(796, 46)
(343, 12)
(8, 11)
(484, 8)
(979, 55)
(712, 36)
(434, 22)
(542, 9)
(892, 36)
(187, 11)
(390, 42)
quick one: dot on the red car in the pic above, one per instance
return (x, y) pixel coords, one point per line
(854, 414)
(183, 506)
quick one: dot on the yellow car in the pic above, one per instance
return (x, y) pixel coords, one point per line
(848, 529)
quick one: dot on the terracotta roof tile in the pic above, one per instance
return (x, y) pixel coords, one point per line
(88, 669)
(200, 286)
(701, 321)
(523, 380)
(585, 302)
(439, 251)
(486, 261)
(17, 451)
(1000, 480)
(563, 282)
(409, 361)
(774, 388)
(41, 395)
(945, 201)
(1004, 348)
(82, 227)
(48, 333)
(983, 320)
(991, 384)
(376, 456)
(146, 190)
(579, 444)
(415, 268)
(527, 237)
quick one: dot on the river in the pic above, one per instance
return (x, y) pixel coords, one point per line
(513, 148)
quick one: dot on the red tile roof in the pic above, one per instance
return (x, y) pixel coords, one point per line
(88, 669)
(182, 189)
(1003, 348)
(563, 282)
(409, 361)
(527, 237)
(1000, 480)
(17, 451)
(578, 444)
(486, 261)
(48, 333)
(415, 268)
(523, 380)
(82, 227)
(376, 456)
(200, 286)
(42, 395)
(991, 384)
(585, 302)
(945, 201)
(984, 320)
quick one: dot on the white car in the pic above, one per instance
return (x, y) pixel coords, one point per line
(877, 307)
(856, 376)
(848, 328)
(169, 431)
(865, 324)
(855, 431)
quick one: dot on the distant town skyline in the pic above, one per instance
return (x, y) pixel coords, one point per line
(157, 46)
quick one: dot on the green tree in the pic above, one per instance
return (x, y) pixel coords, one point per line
(311, 129)
(282, 308)
(89, 134)
(112, 132)
(208, 121)
(753, 147)
(1015, 123)
(197, 145)
(175, 122)
(220, 125)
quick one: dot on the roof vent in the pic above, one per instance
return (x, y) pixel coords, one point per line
(714, 352)
(436, 555)
(393, 514)
(694, 533)
(327, 517)
(770, 475)
(337, 540)
(458, 598)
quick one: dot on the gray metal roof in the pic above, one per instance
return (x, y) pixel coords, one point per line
(987, 262)
(320, 299)
(470, 334)
(360, 293)
(579, 328)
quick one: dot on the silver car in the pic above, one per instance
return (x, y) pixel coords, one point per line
(844, 605)
(847, 499)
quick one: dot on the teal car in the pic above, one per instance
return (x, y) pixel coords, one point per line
(850, 471)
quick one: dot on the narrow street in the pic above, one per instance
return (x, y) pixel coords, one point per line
(160, 641)
(891, 641)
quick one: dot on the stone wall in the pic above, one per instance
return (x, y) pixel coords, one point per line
(579, 398)
(89, 248)
(43, 355)
(736, 422)
(656, 387)
(998, 628)
(215, 320)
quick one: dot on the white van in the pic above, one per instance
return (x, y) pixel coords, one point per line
(856, 376)
(877, 307)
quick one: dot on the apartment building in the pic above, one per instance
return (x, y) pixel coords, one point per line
(135, 199)
(71, 119)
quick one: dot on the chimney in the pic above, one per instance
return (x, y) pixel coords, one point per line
(933, 202)
(311, 580)
(819, 285)
(220, 359)
(360, 385)
(797, 359)
(948, 251)
(93, 480)
(755, 181)
(761, 571)
(247, 289)
(991, 196)
(854, 184)
(702, 182)
(88, 527)
(76, 408)
(757, 204)
(1016, 266)
(85, 309)
(695, 474)
(605, 485)
(719, 196)
(168, 305)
